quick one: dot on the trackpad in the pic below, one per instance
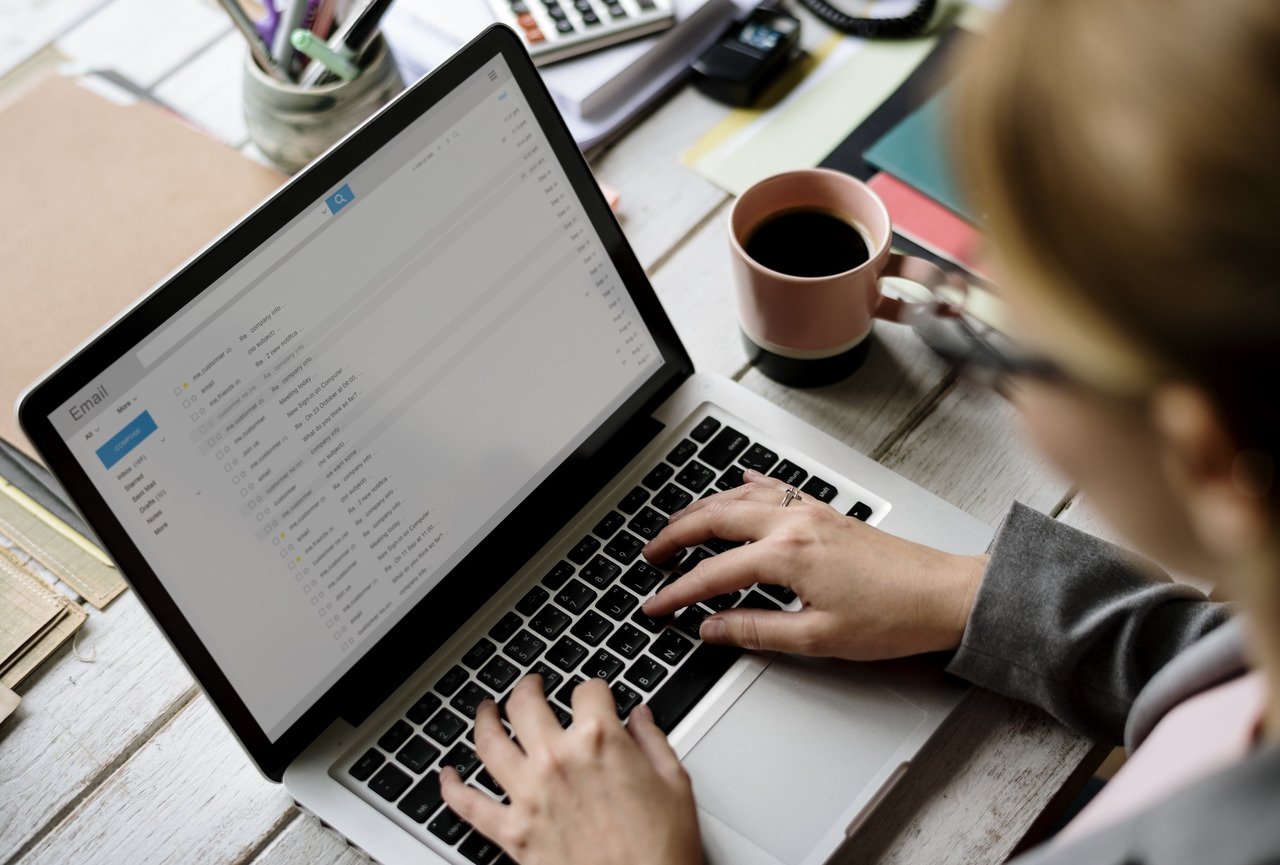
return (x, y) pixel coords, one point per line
(792, 754)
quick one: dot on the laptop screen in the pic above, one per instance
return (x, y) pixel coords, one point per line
(307, 447)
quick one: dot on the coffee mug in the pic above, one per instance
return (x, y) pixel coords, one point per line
(811, 330)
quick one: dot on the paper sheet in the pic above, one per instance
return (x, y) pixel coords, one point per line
(29, 25)
(208, 90)
(853, 78)
(28, 609)
(18, 584)
(144, 40)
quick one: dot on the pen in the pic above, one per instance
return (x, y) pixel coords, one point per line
(324, 18)
(291, 20)
(258, 48)
(313, 46)
(353, 34)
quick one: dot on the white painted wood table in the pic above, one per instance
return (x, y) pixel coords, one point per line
(122, 760)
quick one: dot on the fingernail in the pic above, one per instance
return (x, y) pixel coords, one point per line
(675, 516)
(712, 630)
(751, 474)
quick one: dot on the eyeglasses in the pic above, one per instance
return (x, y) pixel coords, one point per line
(971, 345)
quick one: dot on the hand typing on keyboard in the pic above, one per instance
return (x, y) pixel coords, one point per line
(867, 595)
(596, 793)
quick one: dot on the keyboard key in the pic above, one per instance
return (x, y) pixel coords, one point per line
(590, 19)
(582, 5)
(624, 547)
(758, 457)
(448, 827)
(417, 755)
(671, 499)
(477, 654)
(585, 549)
(628, 640)
(556, 13)
(646, 673)
(424, 799)
(608, 524)
(567, 654)
(555, 577)
(600, 572)
(690, 620)
(575, 597)
(647, 523)
(695, 476)
(498, 674)
(469, 698)
(550, 621)
(680, 453)
(445, 727)
(550, 678)
(690, 683)
(789, 473)
(649, 624)
(672, 563)
(731, 478)
(478, 849)
(633, 500)
(617, 603)
(624, 699)
(421, 710)
(565, 694)
(757, 601)
(670, 647)
(657, 476)
(721, 602)
(487, 781)
(782, 593)
(451, 681)
(532, 601)
(506, 626)
(523, 648)
(705, 429)
(724, 448)
(368, 761)
(860, 511)
(695, 558)
(461, 758)
(390, 782)
(562, 715)
(642, 577)
(616, 11)
(395, 737)
(602, 665)
(591, 628)
(720, 545)
(819, 489)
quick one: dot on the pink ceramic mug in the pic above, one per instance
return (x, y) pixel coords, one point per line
(813, 330)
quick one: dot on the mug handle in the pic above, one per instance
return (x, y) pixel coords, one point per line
(924, 273)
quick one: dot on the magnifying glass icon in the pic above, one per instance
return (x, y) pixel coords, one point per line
(340, 199)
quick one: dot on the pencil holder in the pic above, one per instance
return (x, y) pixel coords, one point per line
(292, 124)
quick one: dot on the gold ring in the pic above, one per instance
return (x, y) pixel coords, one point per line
(792, 495)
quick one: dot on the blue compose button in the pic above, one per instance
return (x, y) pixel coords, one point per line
(126, 440)
(340, 199)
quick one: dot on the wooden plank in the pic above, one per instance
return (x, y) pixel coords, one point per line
(304, 840)
(78, 719)
(899, 378)
(661, 200)
(971, 452)
(189, 795)
(975, 789)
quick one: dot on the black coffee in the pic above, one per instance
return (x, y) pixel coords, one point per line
(807, 243)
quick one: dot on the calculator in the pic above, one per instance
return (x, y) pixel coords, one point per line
(556, 29)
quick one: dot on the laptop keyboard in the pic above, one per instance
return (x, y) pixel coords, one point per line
(584, 619)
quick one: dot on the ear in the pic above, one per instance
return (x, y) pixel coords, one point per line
(1205, 466)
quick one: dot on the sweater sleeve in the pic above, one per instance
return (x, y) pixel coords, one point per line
(1076, 625)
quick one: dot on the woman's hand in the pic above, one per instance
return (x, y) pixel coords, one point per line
(596, 793)
(867, 595)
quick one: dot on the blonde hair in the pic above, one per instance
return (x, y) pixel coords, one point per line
(1126, 155)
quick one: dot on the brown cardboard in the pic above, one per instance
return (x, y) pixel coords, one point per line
(99, 202)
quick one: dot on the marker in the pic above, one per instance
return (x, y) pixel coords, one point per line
(258, 48)
(315, 48)
(355, 33)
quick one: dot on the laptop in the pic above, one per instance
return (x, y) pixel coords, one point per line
(398, 437)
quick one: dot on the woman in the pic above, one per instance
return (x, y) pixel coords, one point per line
(1127, 153)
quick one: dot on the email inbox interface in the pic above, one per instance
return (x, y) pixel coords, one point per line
(364, 403)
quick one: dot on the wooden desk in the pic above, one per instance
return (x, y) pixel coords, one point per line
(121, 759)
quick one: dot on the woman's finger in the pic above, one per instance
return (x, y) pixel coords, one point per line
(755, 486)
(650, 739)
(487, 815)
(500, 755)
(731, 570)
(740, 520)
(592, 699)
(763, 630)
(529, 713)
